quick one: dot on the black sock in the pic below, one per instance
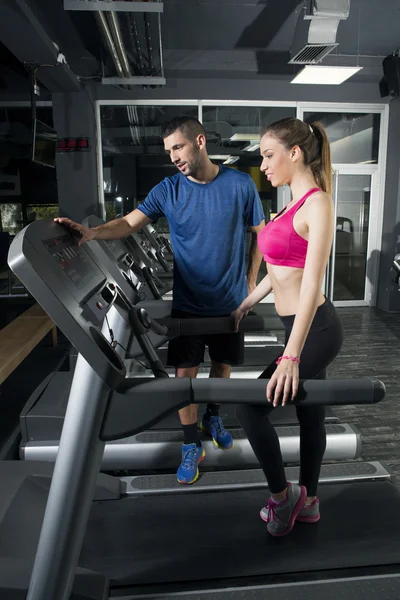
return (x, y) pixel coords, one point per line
(190, 434)
(212, 411)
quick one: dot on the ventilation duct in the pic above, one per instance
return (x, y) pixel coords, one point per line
(315, 34)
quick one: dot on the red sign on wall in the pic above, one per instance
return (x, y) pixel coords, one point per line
(80, 144)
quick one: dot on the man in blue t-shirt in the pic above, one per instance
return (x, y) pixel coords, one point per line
(208, 209)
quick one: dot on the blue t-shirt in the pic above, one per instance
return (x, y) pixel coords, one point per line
(208, 234)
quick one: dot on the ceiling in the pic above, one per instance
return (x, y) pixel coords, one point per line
(242, 36)
(221, 38)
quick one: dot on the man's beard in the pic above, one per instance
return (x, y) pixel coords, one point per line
(194, 165)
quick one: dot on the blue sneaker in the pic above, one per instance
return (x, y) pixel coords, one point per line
(215, 428)
(192, 455)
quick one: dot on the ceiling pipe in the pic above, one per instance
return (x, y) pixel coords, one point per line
(104, 29)
(117, 35)
(160, 45)
(113, 38)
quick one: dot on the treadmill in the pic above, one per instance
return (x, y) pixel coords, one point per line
(162, 241)
(42, 417)
(150, 256)
(133, 263)
(158, 240)
(156, 247)
(136, 546)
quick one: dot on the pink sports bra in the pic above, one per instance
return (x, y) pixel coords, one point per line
(279, 243)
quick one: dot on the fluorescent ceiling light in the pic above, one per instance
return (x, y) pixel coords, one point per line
(245, 137)
(218, 156)
(324, 75)
(230, 160)
(251, 147)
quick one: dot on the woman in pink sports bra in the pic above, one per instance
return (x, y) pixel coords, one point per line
(296, 245)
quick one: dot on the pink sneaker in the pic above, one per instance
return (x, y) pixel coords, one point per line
(281, 516)
(309, 514)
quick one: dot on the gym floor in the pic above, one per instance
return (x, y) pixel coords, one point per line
(371, 348)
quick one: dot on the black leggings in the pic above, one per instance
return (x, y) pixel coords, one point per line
(322, 345)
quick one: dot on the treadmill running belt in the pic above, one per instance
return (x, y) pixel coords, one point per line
(220, 535)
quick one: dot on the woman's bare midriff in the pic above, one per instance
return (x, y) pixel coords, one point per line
(286, 285)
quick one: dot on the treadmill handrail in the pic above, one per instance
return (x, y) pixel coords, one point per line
(311, 392)
(212, 325)
(151, 283)
(139, 403)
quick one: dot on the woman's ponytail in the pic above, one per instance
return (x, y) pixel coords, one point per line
(321, 166)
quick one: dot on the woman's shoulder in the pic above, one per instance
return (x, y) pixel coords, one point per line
(320, 199)
(318, 196)
(319, 206)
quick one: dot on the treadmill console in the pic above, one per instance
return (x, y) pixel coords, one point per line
(71, 259)
(72, 288)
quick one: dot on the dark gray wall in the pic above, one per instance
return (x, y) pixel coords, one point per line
(246, 89)
(388, 297)
(74, 116)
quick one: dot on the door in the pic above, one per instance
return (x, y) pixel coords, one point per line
(351, 260)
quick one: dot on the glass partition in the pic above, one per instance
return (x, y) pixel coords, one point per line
(352, 231)
(354, 137)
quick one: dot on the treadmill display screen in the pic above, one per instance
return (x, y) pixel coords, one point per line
(72, 259)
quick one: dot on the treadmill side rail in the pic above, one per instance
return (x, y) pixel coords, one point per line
(329, 392)
(140, 403)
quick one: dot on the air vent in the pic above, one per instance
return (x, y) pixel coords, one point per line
(316, 30)
(312, 54)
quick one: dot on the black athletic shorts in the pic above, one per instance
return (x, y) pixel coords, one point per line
(188, 350)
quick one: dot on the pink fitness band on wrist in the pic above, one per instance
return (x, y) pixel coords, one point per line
(293, 358)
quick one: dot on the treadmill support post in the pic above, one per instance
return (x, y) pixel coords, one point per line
(72, 487)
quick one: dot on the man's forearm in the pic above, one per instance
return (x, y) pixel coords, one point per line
(113, 230)
(255, 259)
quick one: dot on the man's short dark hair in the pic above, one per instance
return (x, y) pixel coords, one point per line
(189, 126)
